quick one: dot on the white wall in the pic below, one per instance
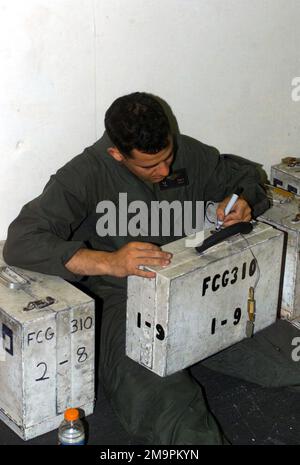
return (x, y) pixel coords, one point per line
(224, 66)
(47, 93)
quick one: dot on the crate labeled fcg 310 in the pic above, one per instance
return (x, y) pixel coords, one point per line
(199, 304)
(46, 350)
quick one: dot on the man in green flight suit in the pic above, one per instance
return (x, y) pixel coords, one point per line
(56, 233)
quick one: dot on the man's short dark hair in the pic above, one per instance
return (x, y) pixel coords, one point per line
(137, 121)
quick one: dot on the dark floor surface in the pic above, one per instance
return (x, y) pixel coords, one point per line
(247, 413)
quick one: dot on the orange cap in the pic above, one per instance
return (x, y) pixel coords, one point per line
(71, 414)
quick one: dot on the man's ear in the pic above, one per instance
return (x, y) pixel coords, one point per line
(114, 152)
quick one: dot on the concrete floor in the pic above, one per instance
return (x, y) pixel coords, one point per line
(247, 413)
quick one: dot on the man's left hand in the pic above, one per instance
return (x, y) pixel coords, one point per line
(240, 211)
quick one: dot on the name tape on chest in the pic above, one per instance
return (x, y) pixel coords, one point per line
(178, 178)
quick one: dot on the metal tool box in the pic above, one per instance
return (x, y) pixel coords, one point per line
(46, 350)
(285, 216)
(198, 305)
(287, 175)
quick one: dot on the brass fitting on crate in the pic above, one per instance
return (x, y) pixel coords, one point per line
(251, 304)
(251, 313)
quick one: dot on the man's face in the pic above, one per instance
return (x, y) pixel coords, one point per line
(148, 167)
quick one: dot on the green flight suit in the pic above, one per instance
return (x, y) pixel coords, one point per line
(52, 227)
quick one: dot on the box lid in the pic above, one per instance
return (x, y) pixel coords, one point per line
(285, 210)
(291, 170)
(28, 296)
(187, 259)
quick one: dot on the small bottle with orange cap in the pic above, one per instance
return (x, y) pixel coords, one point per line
(71, 430)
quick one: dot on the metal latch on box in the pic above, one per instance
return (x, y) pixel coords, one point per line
(296, 219)
(41, 303)
(15, 281)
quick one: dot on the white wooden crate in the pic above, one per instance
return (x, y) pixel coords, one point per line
(47, 350)
(197, 305)
(283, 216)
(286, 177)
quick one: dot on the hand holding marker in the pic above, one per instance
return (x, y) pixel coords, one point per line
(228, 207)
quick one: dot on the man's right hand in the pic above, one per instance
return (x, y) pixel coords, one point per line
(129, 259)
